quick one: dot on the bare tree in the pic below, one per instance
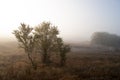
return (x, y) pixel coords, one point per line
(26, 41)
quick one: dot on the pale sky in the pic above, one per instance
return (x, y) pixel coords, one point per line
(76, 19)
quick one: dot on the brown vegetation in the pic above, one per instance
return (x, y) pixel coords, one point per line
(80, 66)
(45, 58)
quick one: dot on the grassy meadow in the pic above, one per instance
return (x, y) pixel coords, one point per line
(80, 65)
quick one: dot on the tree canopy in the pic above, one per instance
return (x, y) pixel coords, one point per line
(42, 39)
(106, 39)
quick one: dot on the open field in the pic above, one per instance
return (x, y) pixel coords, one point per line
(80, 65)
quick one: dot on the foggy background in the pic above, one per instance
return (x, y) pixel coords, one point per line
(77, 20)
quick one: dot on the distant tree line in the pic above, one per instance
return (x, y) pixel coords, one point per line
(106, 39)
(42, 39)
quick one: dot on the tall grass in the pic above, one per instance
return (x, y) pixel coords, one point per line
(80, 66)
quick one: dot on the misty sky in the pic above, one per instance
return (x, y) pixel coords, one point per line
(76, 19)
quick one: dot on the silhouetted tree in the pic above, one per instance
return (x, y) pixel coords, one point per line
(62, 49)
(26, 40)
(45, 36)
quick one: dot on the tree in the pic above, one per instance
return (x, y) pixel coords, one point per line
(106, 39)
(44, 40)
(62, 49)
(45, 36)
(26, 40)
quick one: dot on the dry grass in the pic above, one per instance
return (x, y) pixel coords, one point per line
(80, 66)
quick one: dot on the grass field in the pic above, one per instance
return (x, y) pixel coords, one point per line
(80, 65)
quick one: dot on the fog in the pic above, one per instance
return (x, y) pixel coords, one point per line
(59, 39)
(77, 20)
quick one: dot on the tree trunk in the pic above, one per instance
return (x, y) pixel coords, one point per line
(46, 58)
(32, 62)
(62, 59)
(62, 62)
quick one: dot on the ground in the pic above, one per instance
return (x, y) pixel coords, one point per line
(80, 65)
